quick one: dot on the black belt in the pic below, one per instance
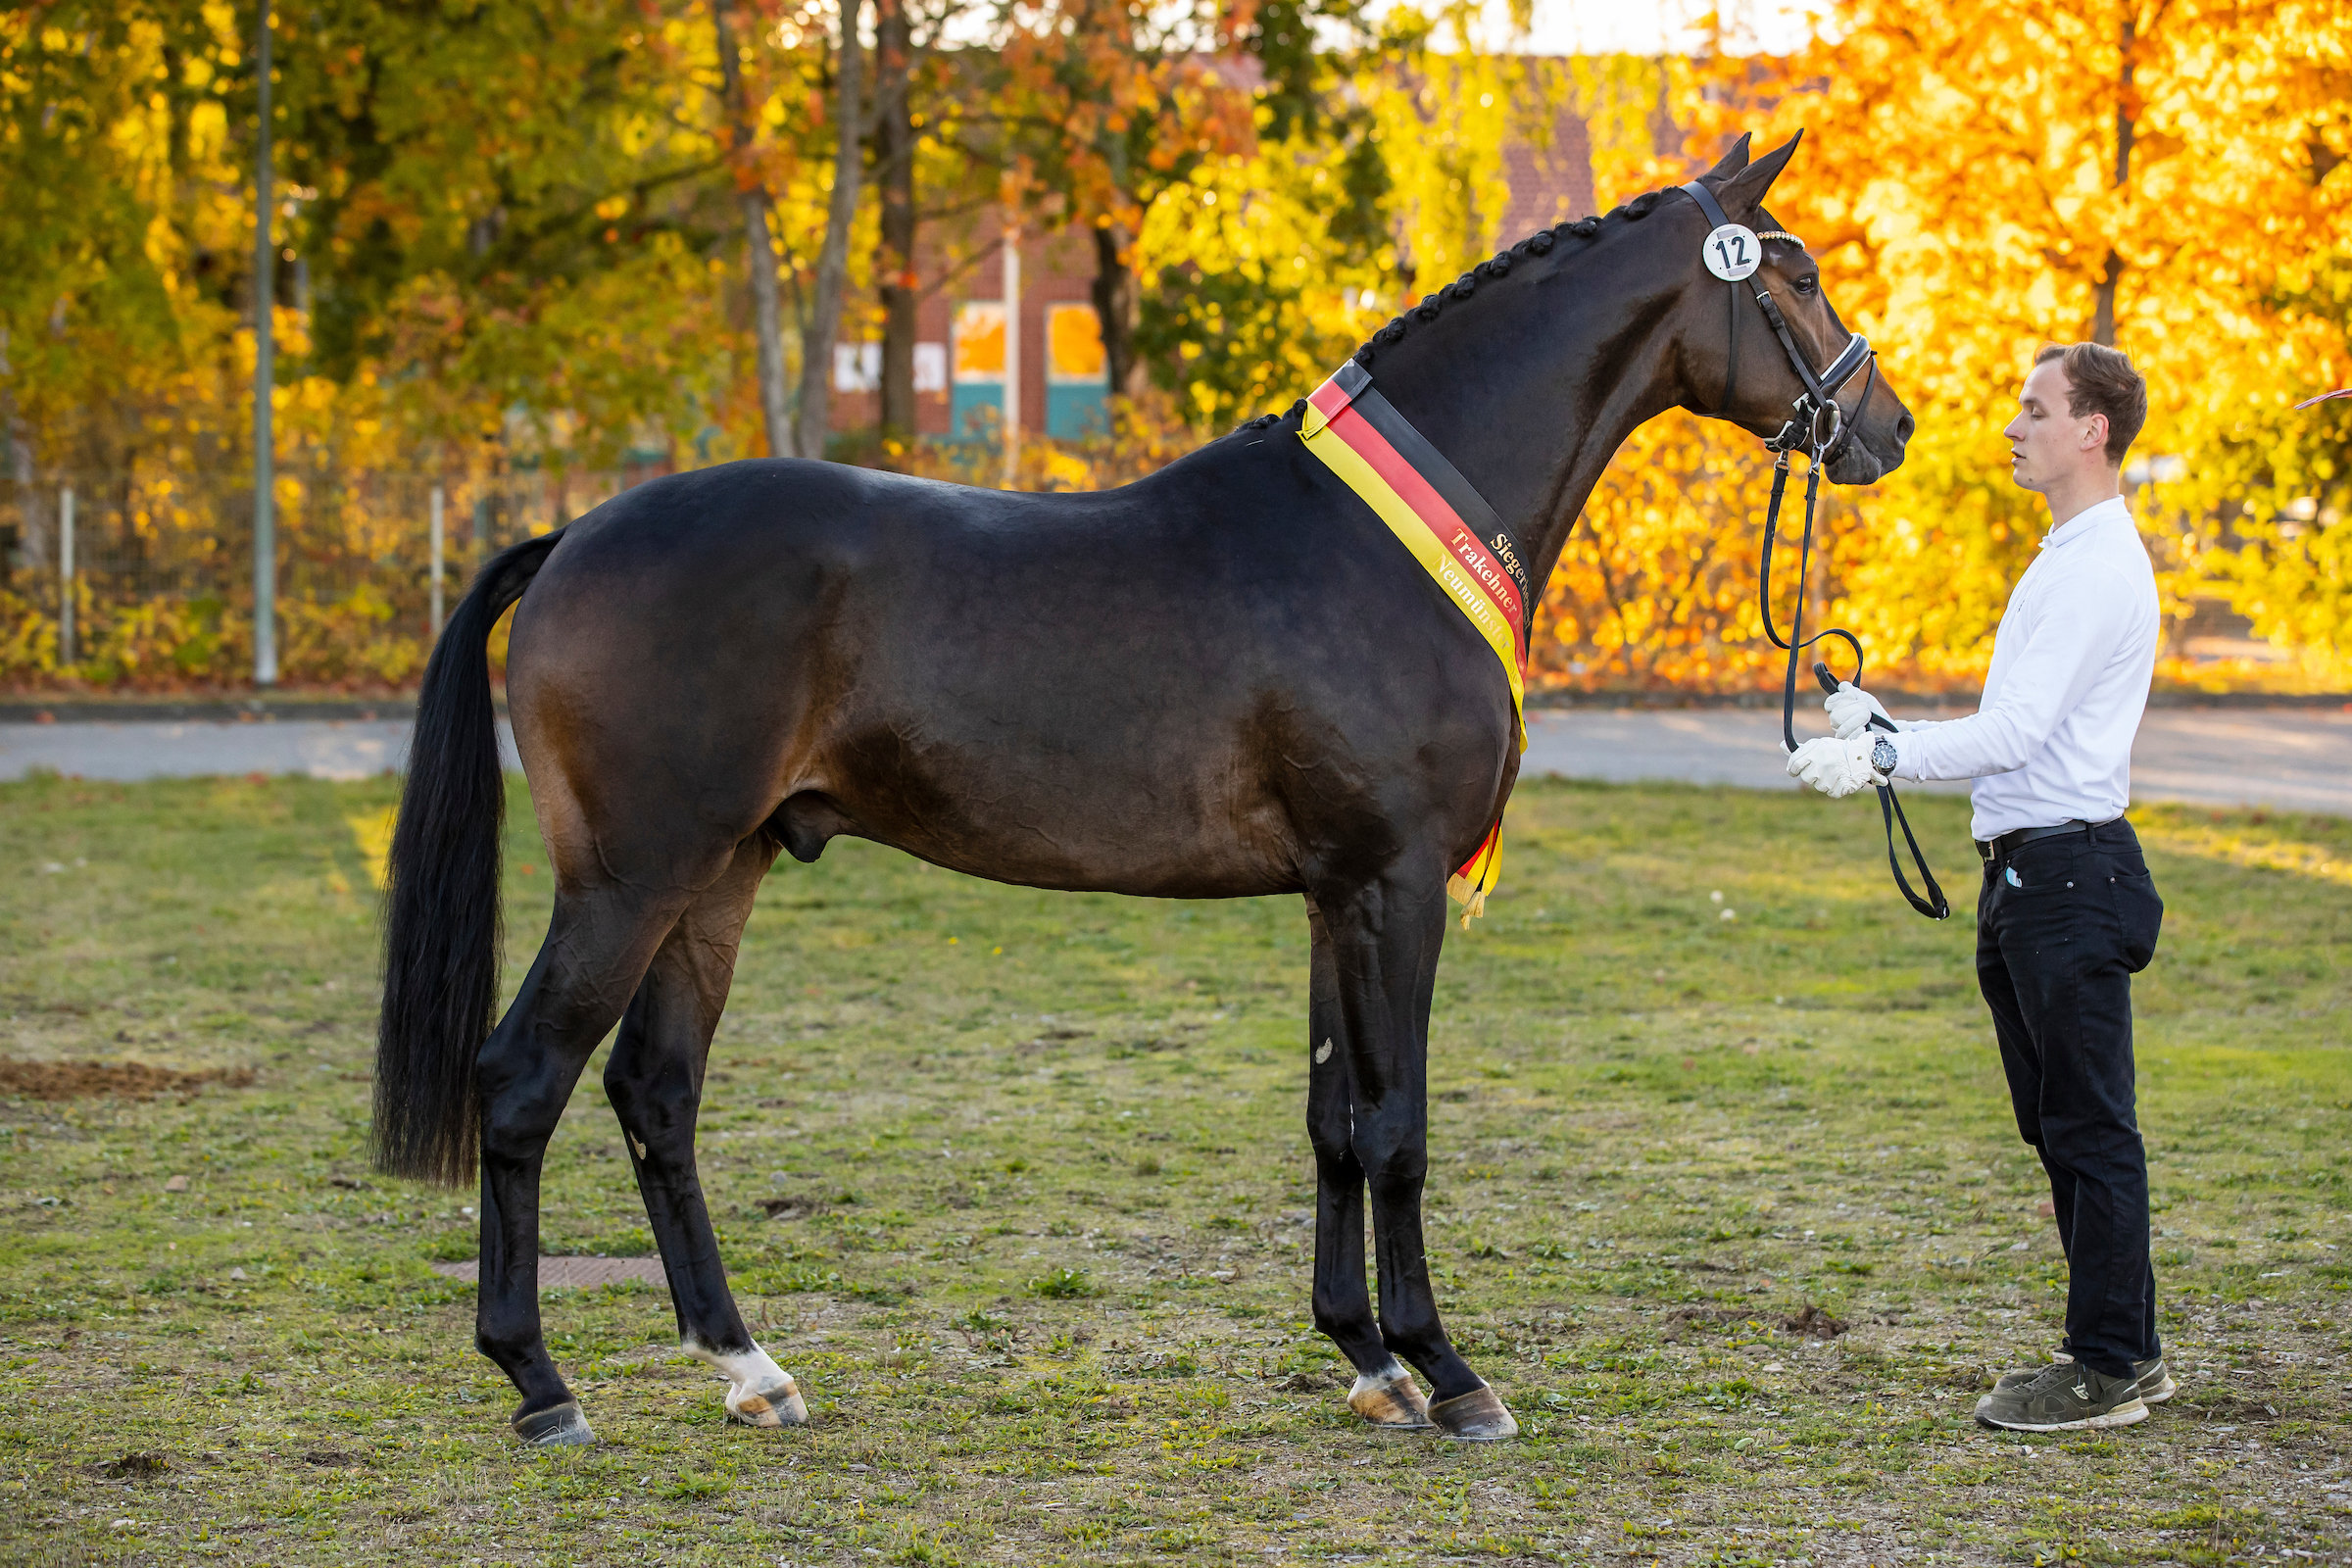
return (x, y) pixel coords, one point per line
(2009, 843)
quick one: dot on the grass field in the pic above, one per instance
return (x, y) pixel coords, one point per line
(1014, 1184)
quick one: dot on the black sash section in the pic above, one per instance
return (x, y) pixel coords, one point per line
(1443, 476)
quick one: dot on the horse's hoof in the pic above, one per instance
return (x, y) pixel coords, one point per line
(1477, 1416)
(1389, 1397)
(779, 1404)
(559, 1427)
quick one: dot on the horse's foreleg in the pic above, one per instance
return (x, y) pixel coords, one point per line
(654, 1081)
(1385, 941)
(597, 944)
(1384, 1393)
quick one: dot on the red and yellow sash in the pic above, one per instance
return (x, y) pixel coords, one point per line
(1412, 487)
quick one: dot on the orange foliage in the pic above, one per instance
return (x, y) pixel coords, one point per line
(1978, 179)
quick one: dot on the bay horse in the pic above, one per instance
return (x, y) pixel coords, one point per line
(1221, 681)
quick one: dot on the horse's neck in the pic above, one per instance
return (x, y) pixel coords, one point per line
(1531, 394)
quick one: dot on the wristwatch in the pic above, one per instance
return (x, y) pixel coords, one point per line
(1883, 756)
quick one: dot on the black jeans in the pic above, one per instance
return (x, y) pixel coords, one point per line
(2062, 926)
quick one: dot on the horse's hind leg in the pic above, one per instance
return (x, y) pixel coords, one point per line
(598, 945)
(654, 1081)
(1383, 941)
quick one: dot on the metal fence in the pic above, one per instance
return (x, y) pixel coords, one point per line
(137, 577)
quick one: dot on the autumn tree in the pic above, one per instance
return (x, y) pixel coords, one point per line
(1104, 107)
(1979, 180)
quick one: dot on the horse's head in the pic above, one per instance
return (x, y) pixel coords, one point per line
(1733, 363)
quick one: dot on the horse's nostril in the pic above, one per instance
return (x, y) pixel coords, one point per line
(1903, 428)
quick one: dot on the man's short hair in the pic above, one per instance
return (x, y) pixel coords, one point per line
(2101, 380)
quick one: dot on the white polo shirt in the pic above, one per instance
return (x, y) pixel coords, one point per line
(2051, 741)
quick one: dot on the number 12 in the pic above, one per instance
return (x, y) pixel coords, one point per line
(1726, 248)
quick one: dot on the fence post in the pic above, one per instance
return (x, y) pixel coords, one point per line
(265, 371)
(1011, 426)
(436, 564)
(64, 576)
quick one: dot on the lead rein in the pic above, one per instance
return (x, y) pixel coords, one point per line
(1891, 809)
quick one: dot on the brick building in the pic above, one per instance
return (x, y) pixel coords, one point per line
(961, 366)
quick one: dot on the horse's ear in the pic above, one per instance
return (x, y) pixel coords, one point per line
(1733, 162)
(1744, 192)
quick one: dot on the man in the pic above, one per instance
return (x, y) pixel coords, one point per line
(2068, 913)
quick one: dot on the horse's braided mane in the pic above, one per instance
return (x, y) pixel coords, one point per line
(1499, 265)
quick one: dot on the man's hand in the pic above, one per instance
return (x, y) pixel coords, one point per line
(1837, 767)
(1850, 708)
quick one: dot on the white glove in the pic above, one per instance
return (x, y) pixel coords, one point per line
(1850, 708)
(1837, 767)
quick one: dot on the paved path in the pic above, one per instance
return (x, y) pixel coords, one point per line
(2287, 758)
(2296, 759)
(140, 748)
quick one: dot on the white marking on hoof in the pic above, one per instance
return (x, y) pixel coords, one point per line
(1477, 1416)
(1389, 1397)
(563, 1427)
(759, 1393)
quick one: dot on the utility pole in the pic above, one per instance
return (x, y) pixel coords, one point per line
(65, 576)
(1011, 424)
(265, 292)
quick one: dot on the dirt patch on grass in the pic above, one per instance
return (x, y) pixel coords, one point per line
(125, 1080)
(1811, 1323)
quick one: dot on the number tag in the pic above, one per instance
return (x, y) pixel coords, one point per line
(1733, 252)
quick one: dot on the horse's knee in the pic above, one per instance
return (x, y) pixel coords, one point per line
(1328, 1137)
(1395, 1168)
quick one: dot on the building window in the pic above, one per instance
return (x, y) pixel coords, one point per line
(1077, 373)
(978, 357)
(930, 367)
(857, 367)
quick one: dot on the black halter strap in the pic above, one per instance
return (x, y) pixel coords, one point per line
(1821, 430)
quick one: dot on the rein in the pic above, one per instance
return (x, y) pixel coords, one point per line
(1820, 428)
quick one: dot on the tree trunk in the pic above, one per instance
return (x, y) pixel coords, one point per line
(2102, 322)
(33, 539)
(759, 251)
(894, 153)
(1117, 304)
(833, 262)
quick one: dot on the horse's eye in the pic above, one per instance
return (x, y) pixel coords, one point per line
(1807, 283)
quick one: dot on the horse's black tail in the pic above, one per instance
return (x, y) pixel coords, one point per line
(441, 916)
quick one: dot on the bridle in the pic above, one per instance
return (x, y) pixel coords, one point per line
(1819, 427)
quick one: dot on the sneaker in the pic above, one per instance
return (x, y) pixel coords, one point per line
(2156, 1384)
(2064, 1396)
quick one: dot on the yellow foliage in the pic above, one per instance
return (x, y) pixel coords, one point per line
(1978, 179)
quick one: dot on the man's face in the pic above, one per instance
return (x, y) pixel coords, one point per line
(2046, 443)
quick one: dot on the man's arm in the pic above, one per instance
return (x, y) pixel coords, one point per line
(2060, 661)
